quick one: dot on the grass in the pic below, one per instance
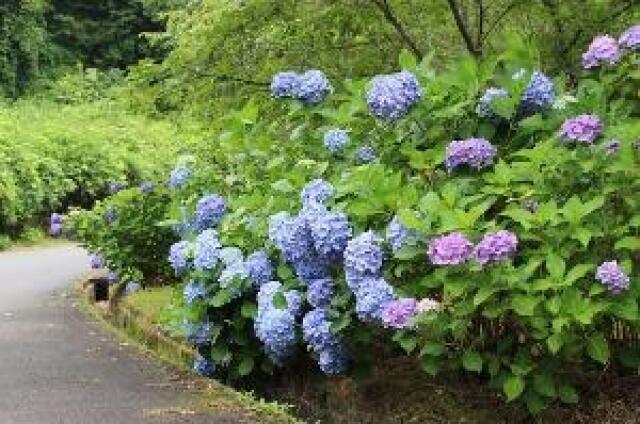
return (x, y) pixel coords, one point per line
(30, 238)
(151, 302)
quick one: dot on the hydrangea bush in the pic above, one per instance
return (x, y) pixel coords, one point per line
(476, 218)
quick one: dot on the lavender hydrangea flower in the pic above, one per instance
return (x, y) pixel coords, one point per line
(113, 277)
(259, 268)
(194, 290)
(179, 256)
(538, 96)
(611, 275)
(335, 140)
(209, 211)
(390, 97)
(485, 103)
(203, 366)
(427, 305)
(612, 147)
(450, 249)
(206, 249)
(316, 191)
(311, 267)
(630, 39)
(276, 329)
(399, 313)
(330, 232)
(199, 333)
(179, 177)
(365, 154)
(496, 247)
(363, 256)
(474, 152)
(372, 297)
(313, 86)
(334, 361)
(285, 84)
(398, 235)
(316, 330)
(96, 261)
(602, 50)
(582, 129)
(56, 224)
(320, 292)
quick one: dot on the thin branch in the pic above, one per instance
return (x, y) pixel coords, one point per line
(386, 10)
(464, 31)
(479, 37)
(500, 17)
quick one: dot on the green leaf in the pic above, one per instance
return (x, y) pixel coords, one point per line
(248, 310)
(524, 305)
(246, 366)
(430, 364)
(483, 294)
(279, 301)
(598, 348)
(513, 387)
(432, 348)
(554, 342)
(629, 243)
(555, 266)
(543, 384)
(472, 361)
(283, 186)
(407, 60)
(576, 273)
(626, 308)
(408, 343)
(567, 393)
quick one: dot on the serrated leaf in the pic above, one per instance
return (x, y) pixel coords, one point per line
(246, 366)
(576, 273)
(524, 305)
(629, 243)
(484, 293)
(567, 393)
(432, 348)
(598, 348)
(513, 387)
(555, 266)
(554, 342)
(472, 361)
(543, 384)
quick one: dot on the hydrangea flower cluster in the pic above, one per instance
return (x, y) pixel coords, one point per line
(630, 39)
(206, 250)
(611, 275)
(146, 187)
(310, 87)
(474, 152)
(179, 177)
(111, 214)
(132, 287)
(231, 275)
(330, 232)
(194, 290)
(179, 256)
(259, 268)
(602, 50)
(209, 211)
(185, 224)
(202, 366)
(485, 103)
(96, 261)
(316, 330)
(581, 129)
(612, 147)
(56, 225)
(113, 277)
(538, 96)
(335, 140)
(116, 186)
(316, 191)
(399, 313)
(390, 97)
(320, 292)
(199, 333)
(276, 328)
(365, 154)
(398, 235)
(450, 249)
(496, 247)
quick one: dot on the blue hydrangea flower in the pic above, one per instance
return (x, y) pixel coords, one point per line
(330, 232)
(206, 250)
(276, 329)
(146, 186)
(232, 276)
(538, 96)
(476, 153)
(285, 84)
(390, 97)
(311, 267)
(485, 103)
(335, 140)
(365, 154)
(185, 224)
(110, 215)
(132, 287)
(291, 235)
(179, 256)
(199, 333)
(372, 297)
(320, 292)
(363, 257)
(316, 330)
(259, 268)
(179, 177)
(316, 191)
(116, 186)
(267, 292)
(398, 235)
(203, 366)
(209, 211)
(194, 290)
(230, 256)
(313, 86)
(334, 361)
(96, 261)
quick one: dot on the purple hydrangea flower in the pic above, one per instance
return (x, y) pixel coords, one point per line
(316, 191)
(496, 247)
(363, 257)
(582, 129)
(334, 361)
(485, 103)
(179, 177)
(96, 261)
(450, 249)
(179, 256)
(538, 96)
(611, 275)
(206, 250)
(398, 235)
(320, 292)
(372, 297)
(630, 39)
(365, 154)
(259, 268)
(285, 84)
(399, 313)
(57, 218)
(209, 211)
(603, 49)
(194, 290)
(390, 97)
(474, 152)
(203, 366)
(330, 232)
(335, 140)
(612, 147)
(313, 86)
(55, 230)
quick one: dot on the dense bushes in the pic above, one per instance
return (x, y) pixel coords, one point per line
(490, 227)
(48, 163)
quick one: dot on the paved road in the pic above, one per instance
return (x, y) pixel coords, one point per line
(57, 368)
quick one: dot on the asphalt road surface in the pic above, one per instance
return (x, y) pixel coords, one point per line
(58, 368)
